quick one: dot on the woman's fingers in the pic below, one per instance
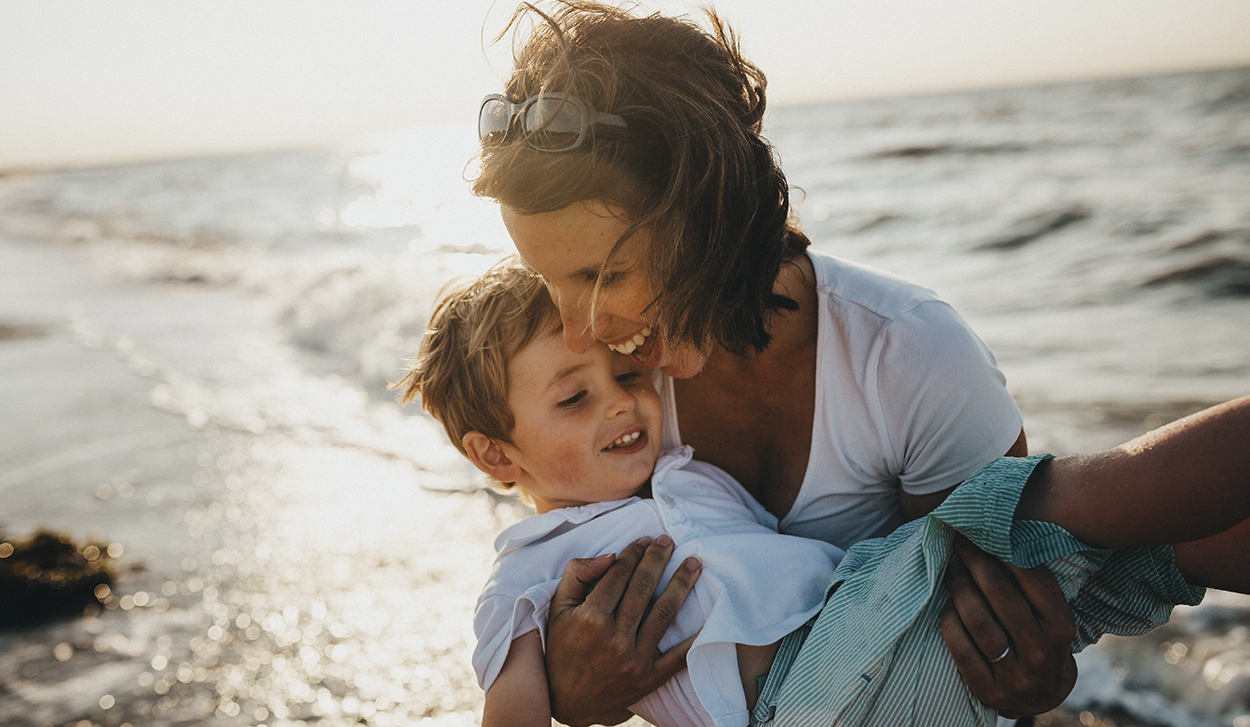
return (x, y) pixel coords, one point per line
(1009, 631)
(580, 577)
(664, 613)
(607, 593)
(673, 660)
(601, 638)
(640, 589)
(972, 665)
(1050, 618)
(970, 581)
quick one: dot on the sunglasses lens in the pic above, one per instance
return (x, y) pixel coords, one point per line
(492, 121)
(555, 124)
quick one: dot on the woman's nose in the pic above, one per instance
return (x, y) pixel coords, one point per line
(579, 332)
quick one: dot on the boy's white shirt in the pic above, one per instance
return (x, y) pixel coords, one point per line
(754, 589)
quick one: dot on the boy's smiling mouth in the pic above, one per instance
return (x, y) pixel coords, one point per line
(628, 443)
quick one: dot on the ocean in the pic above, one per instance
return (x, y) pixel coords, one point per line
(196, 354)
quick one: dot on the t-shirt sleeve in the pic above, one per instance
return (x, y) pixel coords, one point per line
(944, 401)
(499, 619)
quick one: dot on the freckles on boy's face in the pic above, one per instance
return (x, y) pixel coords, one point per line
(587, 425)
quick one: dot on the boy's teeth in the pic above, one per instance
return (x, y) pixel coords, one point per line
(627, 439)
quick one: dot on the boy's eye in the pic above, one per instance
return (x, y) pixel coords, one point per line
(628, 377)
(573, 400)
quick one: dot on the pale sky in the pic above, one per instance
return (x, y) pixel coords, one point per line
(88, 81)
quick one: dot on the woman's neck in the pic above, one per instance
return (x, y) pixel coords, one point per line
(752, 415)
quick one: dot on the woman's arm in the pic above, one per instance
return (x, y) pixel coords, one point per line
(1221, 561)
(518, 696)
(603, 632)
(1180, 483)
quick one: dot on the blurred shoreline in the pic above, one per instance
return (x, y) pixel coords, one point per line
(268, 577)
(81, 425)
(196, 355)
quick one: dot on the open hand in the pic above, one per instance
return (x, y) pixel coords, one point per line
(603, 632)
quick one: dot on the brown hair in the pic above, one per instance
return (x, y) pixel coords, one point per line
(692, 167)
(478, 326)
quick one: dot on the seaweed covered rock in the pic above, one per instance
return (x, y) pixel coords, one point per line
(49, 576)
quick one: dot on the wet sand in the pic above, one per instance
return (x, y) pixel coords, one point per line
(268, 577)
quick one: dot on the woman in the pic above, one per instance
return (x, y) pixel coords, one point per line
(627, 158)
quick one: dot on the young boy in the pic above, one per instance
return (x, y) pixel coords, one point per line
(578, 435)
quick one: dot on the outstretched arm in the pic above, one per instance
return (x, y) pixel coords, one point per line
(1180, 483)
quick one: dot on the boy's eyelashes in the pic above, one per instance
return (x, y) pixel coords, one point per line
(629, 377)
(573, 400)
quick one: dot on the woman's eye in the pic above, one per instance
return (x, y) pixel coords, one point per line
(604, 279)
(573, 400)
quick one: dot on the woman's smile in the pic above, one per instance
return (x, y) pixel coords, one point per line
(572, 249)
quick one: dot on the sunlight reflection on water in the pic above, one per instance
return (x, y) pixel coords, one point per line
(304, 552)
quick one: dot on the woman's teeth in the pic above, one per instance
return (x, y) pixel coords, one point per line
(632, 344)
(626, 440)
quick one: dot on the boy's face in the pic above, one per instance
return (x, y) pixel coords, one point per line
(587, 425)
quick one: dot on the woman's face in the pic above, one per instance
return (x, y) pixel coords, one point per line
(568, 248)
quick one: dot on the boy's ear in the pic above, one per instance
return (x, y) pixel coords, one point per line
(488, 456)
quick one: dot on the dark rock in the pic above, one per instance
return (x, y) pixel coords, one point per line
(49, 576)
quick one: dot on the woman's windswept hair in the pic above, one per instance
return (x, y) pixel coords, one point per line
(692, 167)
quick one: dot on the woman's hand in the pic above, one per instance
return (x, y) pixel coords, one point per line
(1010, 632)
(603, 632)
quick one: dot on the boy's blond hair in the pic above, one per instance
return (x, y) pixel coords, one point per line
(461, 370)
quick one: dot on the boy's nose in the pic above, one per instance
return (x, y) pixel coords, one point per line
(621, 402)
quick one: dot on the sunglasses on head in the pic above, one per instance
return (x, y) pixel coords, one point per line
(549, 121)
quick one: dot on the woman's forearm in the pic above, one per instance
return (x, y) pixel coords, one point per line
(1221, 561)
(1183, 482)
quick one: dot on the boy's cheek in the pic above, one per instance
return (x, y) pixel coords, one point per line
(568, 466)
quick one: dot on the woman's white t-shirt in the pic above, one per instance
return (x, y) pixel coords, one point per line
(906, 396)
